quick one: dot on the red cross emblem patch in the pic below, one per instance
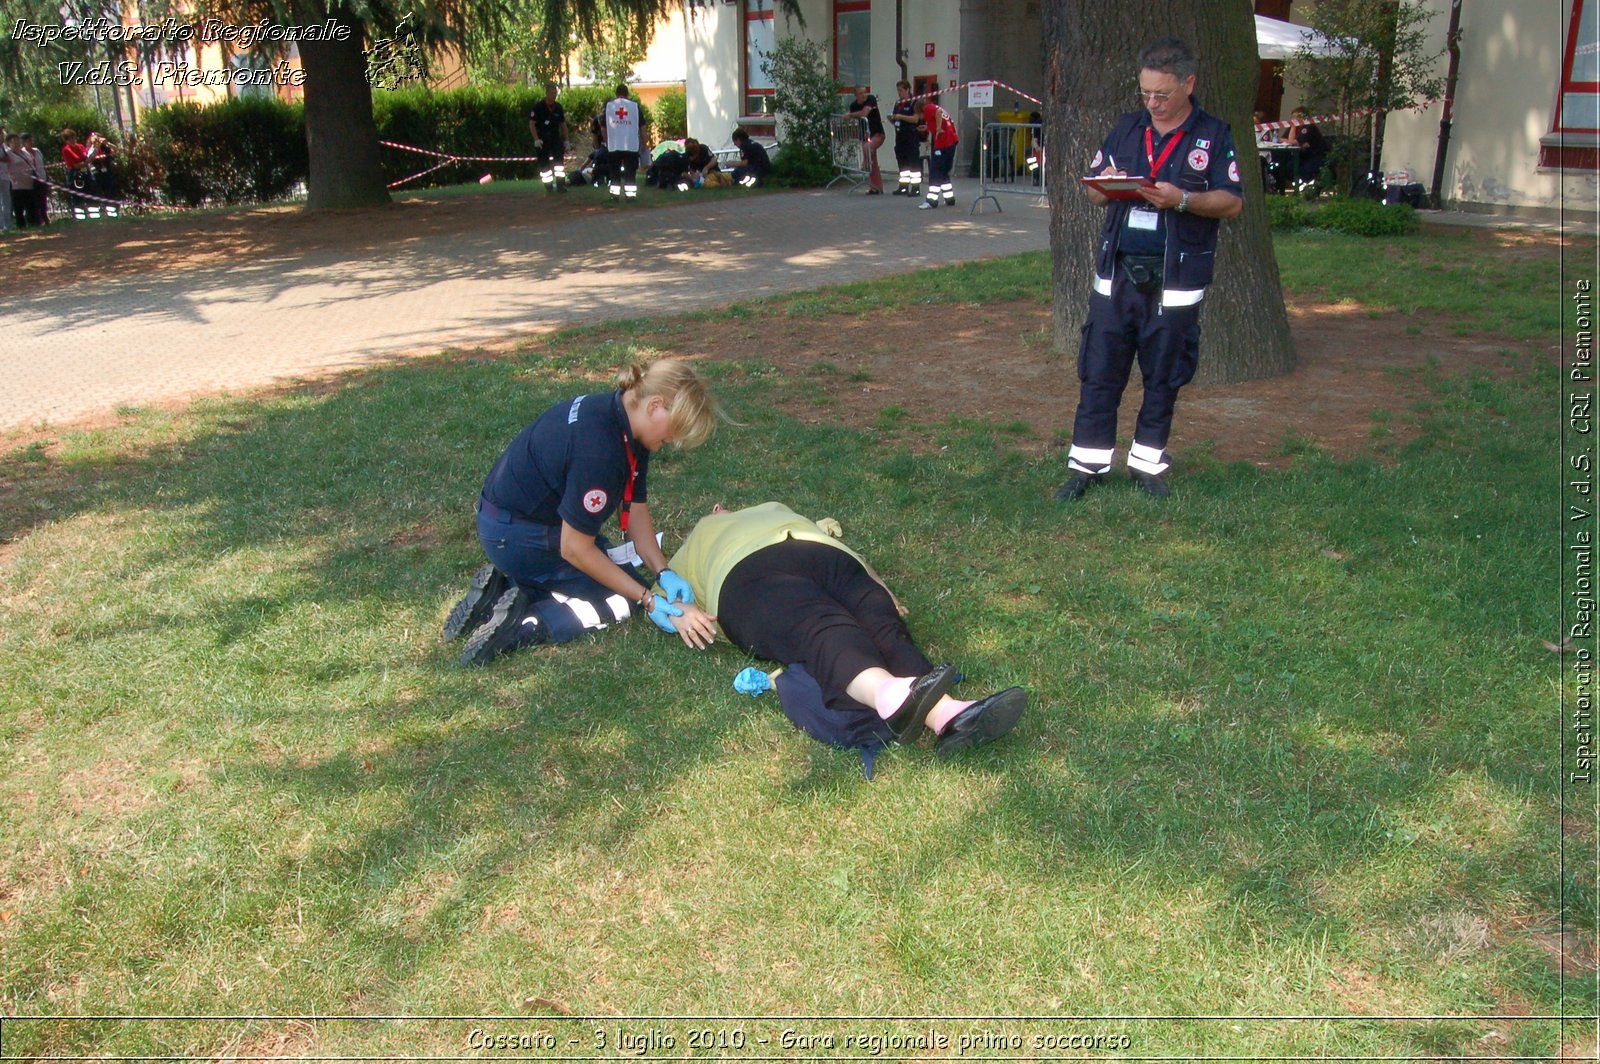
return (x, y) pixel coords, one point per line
(594, 501)
(622, 114)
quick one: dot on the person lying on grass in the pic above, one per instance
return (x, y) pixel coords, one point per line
(780, 587)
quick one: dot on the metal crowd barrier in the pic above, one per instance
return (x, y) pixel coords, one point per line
(1011, 162)
(847, 138)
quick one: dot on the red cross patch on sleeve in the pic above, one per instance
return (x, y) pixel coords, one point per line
(594, 501)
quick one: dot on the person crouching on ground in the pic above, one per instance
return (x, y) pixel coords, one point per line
(782, 588)
(551, 576)
(756, 165)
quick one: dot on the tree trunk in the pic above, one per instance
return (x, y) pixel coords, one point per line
(341, 135)
(1090, 53)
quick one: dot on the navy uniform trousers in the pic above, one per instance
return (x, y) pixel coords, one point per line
(567, 601)
(1166, 340)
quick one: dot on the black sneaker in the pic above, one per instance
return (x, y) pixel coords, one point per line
(488, 584)
(507, 629)
(1152, 484)
(1077, 486)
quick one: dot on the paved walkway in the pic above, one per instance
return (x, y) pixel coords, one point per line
(86, 348)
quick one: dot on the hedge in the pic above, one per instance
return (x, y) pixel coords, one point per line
(235, 151)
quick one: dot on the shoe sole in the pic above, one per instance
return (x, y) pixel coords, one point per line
(495, 635)
(1002, 715)
(488, 584)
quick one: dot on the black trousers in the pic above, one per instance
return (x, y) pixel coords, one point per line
(804, 603)
(624, 167)
(1166, 341)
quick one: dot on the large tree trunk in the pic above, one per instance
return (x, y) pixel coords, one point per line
(341, 136)
(1090, 53)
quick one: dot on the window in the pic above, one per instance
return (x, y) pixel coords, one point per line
(758, 42)
(1574, 140)
(852, 42)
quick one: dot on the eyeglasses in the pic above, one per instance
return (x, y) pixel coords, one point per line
(1154, 97)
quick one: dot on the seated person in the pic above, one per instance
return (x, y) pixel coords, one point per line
(781, 587)
(597, 162)
(1313, 145)
(756, 165)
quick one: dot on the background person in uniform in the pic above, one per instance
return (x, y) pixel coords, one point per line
(756, 165)
(942, 142)
(907, 141)
(782, 588)
(1154, 262)
(548, 124)
(1313, 146)
(550, 577)
(865, 107)
(622, 144)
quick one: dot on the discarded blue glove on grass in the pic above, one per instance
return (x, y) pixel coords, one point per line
(752, 681)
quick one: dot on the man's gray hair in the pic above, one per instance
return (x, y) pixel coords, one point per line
(1170, 56)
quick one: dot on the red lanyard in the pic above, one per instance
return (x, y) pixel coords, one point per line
(1150, 151)
(627, 492)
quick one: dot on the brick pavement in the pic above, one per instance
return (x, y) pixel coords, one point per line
(86, 349)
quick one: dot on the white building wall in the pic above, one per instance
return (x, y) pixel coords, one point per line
(715, 43)
(1511, 53)
(712, 79)
(665, 62)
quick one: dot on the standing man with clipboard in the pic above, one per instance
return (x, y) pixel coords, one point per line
(1155, 259)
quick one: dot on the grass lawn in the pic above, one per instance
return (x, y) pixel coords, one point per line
(1292, 750)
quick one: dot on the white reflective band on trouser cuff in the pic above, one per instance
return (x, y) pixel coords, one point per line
(584, 611)
(1147, 459)
(1090, 459)
(1102, 285)
(1181, 297)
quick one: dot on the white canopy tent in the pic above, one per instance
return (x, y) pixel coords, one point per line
(1276, 39)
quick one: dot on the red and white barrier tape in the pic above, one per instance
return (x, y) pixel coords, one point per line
(983, 81)
(1263, 127)
(445, 159)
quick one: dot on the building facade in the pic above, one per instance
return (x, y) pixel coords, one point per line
(945, 43)
(1526, 127)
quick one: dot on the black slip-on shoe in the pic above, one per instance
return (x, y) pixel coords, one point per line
(983, 721)
(926, 690)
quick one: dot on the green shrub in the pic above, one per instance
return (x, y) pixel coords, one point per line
(1288, 212)
(672, 114)
(803, 98)
(583, 102)
(235, 151)
(47, 122)
(1364, 217)
(474, 120)
(794, 167)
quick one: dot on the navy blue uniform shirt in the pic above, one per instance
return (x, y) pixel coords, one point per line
(571, 465)
(1197, 165)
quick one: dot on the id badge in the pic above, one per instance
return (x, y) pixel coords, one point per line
(1142, 218)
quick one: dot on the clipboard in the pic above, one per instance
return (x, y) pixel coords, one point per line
(1118, 188)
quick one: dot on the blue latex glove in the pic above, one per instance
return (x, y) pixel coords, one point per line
(676, 587)
(663, 613)
(752, 681)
